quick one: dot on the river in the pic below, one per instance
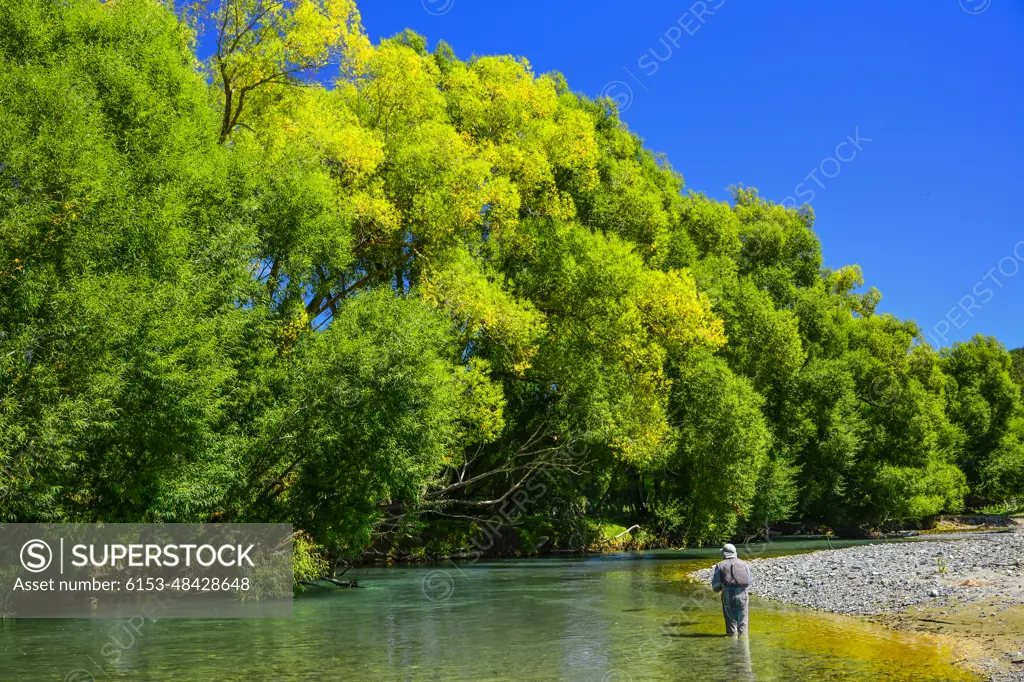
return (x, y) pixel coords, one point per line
(607, 618)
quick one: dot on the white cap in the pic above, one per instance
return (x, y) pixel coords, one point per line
(728, 551)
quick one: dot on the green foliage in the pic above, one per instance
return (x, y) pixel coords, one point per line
(1017, 354)
(439, 296)
(777, 492)
(366, 412)
(722, 445)
(823, 430)
(118, 331)
(1009, 508)
(984, 401)
(308, 561)
(1002, 475)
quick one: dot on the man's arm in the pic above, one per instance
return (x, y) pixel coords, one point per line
(716, 580)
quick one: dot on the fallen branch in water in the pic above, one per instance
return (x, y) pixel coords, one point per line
(628, 530)
(339, 583)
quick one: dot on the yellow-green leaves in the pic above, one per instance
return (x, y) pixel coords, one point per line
(489, 317)
(437, 179)
(481, 405)
(395, 89)
(261, 44)
(712, 226)
(497, 98)
(319, 30)
(612, 326)
(676, 314)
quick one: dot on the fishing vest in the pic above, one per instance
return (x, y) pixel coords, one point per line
(733, 573)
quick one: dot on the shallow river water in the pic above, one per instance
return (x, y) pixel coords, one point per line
(608, 618)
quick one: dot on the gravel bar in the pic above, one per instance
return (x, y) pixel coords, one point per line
(873, 579)
(886, 578)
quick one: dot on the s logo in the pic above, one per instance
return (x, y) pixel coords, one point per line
(36, 556)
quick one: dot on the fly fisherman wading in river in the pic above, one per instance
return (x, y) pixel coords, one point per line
(732, 577)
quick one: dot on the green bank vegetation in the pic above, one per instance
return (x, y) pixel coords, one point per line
(420, 300)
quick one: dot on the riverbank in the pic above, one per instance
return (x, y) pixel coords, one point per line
(968, 589)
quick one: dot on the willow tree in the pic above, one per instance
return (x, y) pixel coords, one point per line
(119, 267)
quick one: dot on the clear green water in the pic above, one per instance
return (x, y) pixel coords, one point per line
(610, 618)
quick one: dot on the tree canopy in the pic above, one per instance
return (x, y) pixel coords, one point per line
(380, 292)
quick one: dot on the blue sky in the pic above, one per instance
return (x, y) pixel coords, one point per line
(931, 91)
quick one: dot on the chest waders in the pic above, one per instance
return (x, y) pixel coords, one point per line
(735, 579)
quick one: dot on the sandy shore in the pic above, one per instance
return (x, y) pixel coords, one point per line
(968, 589)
